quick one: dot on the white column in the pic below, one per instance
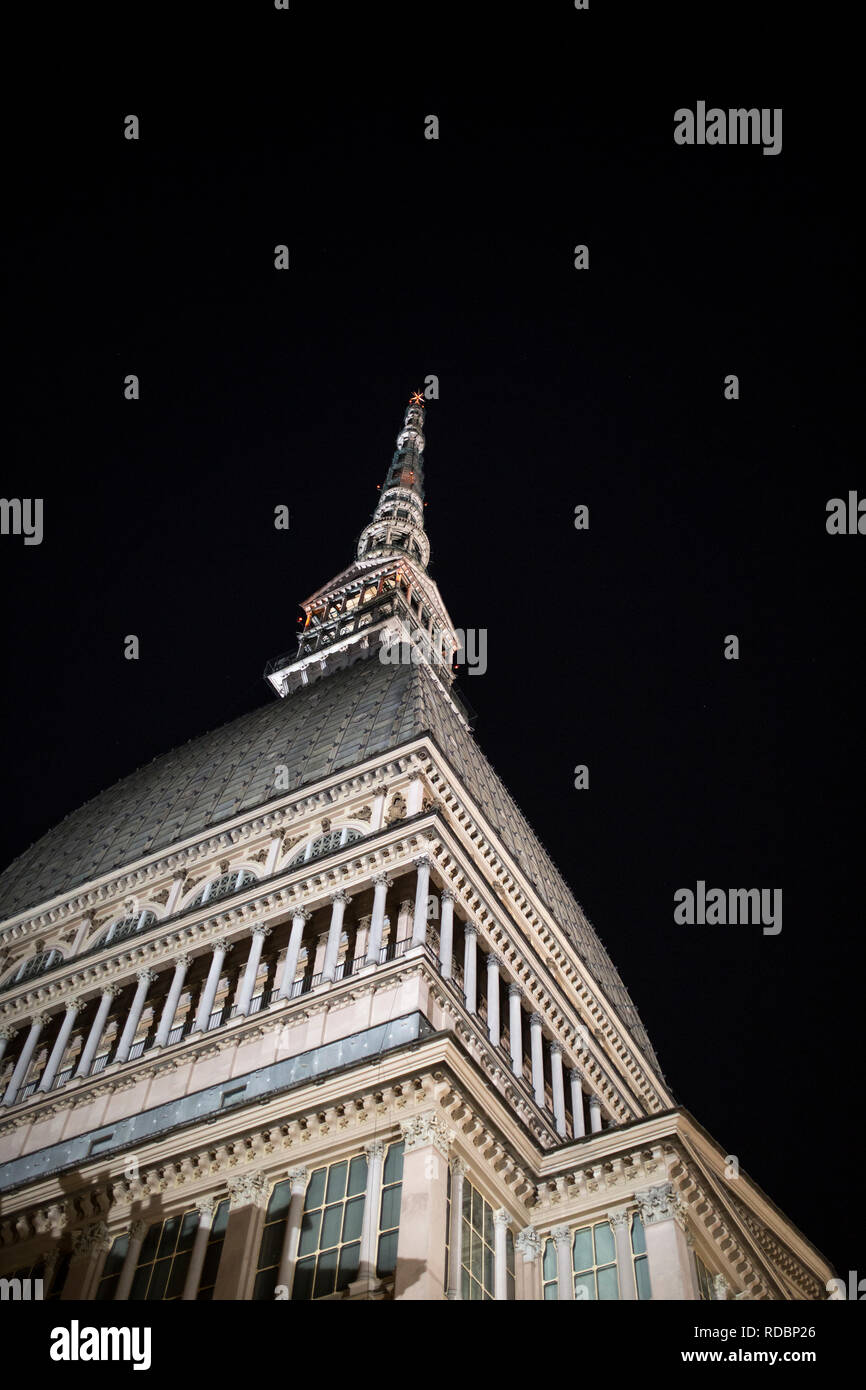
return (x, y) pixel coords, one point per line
(251, 970)
(558, 1087)
(455, 1241)
(6, 1036)
(405, 915)
(422, 892)
(290, 966)
(60, 1044)
(594, 1114)
(619, 1220)
(136, 1008)
(137, 1232)
(375, 1152)
(470, 938)
(169, 1008)
(205, 1211)
(564, 1269)
(493, 1030)
(529, 1244)
(515, 1028)
(93, 1038)
(339, 902)
(208, 995)
(381, 884)
(578, 1121)
(535, 1037)
(39, 1022)
(501, 1222)
(446, 933)
(289, 1254)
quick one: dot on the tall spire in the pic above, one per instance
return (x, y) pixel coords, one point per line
(385, 604)
(397, 526)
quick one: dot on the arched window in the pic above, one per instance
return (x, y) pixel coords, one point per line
(35, 965)
(221, 887)
(314, 849)
(124, 927)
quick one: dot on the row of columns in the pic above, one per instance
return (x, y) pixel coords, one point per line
(515, 1023)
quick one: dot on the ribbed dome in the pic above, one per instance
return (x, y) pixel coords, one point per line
(363, 711)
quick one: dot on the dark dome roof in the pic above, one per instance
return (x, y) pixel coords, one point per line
(344, 718)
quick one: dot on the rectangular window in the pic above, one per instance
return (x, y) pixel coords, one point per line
(389, 1211)
(477, 1257)
(705, 1281)
(213, 1250)
(164, 1259)
(639, 1258)
(330, 1241)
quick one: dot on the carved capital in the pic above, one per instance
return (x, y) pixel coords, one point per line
(529, 1243)
(422, 862)
(502, 1217)
(260, 930)
(513, 990)
(446, 896)
(382, 879)
(619, 1218)
(375, 1149)
(298, 1178)
(556, 1049)
(91, 1239)
(469, 930)
(459, 1168)
(138, 1230)
(423, 1130)
(659, 1203)
(494, 962)
(249, 1189)
(562, 1236)
(8, 1032)
(182, 962)
(147, 975)
(303, 914)
(340, 897)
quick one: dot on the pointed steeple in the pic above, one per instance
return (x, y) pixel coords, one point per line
(385, 604)
(397, 527)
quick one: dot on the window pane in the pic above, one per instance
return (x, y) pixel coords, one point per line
(488, 1268)
(638, 1239)
(549, 1261)
(605, 1250)
(487, 1228)
(326, 1274)
(551, 1293)
(357, 1176)
(221, 1219)
(272, 1244)
(350, 1259)
(390, 1208)
(179, 1267)
(583, 1249)
(387, 1261)
(302, 1287)
(188, 1229)
(158, 1281)
(331, 1223)
(584, 1286)
(263, 1288)
(337, 1182)
(116, 1256)
(642, 1279)
(464, 1283)
(139, 1283)
(151, 1240)
(353, 1219)
(309, 1232)
(467, 1200)
(279, 1204)
(393, 1170)
(475, 1256)
(170, 1232)
(316, 1189)
(608, 1287)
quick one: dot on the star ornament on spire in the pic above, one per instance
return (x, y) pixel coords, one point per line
(416, 398)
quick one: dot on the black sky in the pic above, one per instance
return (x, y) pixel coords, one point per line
(455, 257)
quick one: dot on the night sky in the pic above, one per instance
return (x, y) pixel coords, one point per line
(603, 387)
